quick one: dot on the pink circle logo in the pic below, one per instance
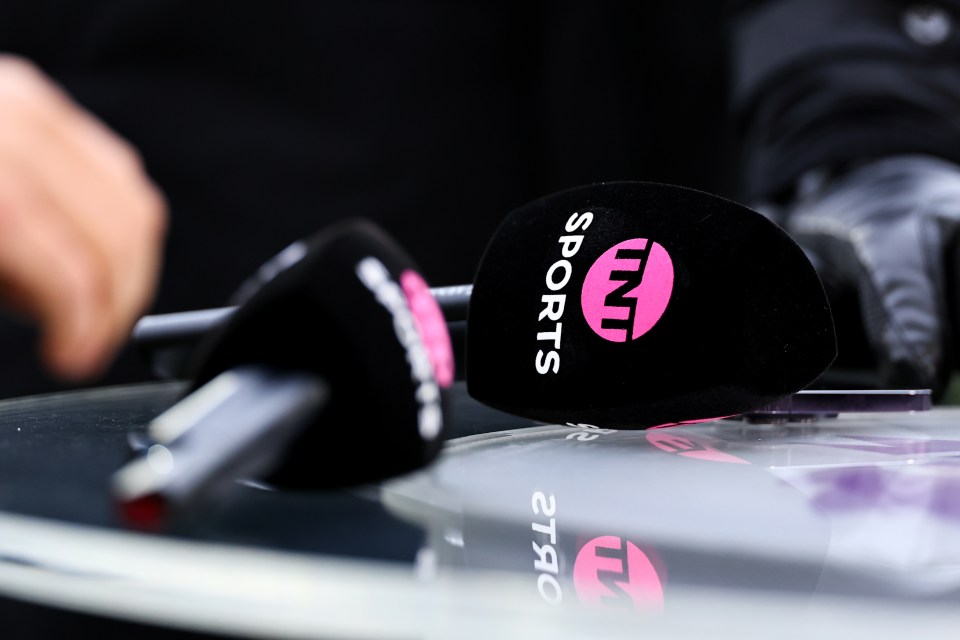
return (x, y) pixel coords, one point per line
(611, 570)
(627, 289)
(431, 325)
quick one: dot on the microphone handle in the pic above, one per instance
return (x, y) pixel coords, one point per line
(236, 427)
(165, 340)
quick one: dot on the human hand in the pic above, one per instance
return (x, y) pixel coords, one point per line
(81, 224)
(887, 229)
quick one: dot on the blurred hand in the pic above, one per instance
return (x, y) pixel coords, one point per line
(81, 225)
(887, 229)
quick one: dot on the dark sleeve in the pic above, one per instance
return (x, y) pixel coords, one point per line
(821, 83)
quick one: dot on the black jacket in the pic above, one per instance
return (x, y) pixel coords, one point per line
(822, 83)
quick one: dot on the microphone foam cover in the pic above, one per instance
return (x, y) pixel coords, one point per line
(349, 305)
(634, 304)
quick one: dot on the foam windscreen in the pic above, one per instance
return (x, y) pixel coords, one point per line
(633, 304)
(349, 305)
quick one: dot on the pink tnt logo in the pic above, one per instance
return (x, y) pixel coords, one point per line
(612, 571)
(627, 289)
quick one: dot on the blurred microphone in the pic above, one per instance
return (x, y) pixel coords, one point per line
(333, 372)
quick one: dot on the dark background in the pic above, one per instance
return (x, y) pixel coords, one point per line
(263, 122)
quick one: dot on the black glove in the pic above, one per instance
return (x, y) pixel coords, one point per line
(886, 229)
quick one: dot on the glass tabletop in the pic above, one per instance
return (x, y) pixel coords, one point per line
(847, 525)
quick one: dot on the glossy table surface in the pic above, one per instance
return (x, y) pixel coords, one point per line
(840, 527)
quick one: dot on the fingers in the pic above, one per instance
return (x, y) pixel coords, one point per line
(49, 275)
(81, 225)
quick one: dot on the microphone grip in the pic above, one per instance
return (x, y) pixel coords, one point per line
(453, 300)
(235, 427)
(166, 340)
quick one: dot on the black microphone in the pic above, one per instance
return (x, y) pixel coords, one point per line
(634, 304)
(333, 371)
(629, 305)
